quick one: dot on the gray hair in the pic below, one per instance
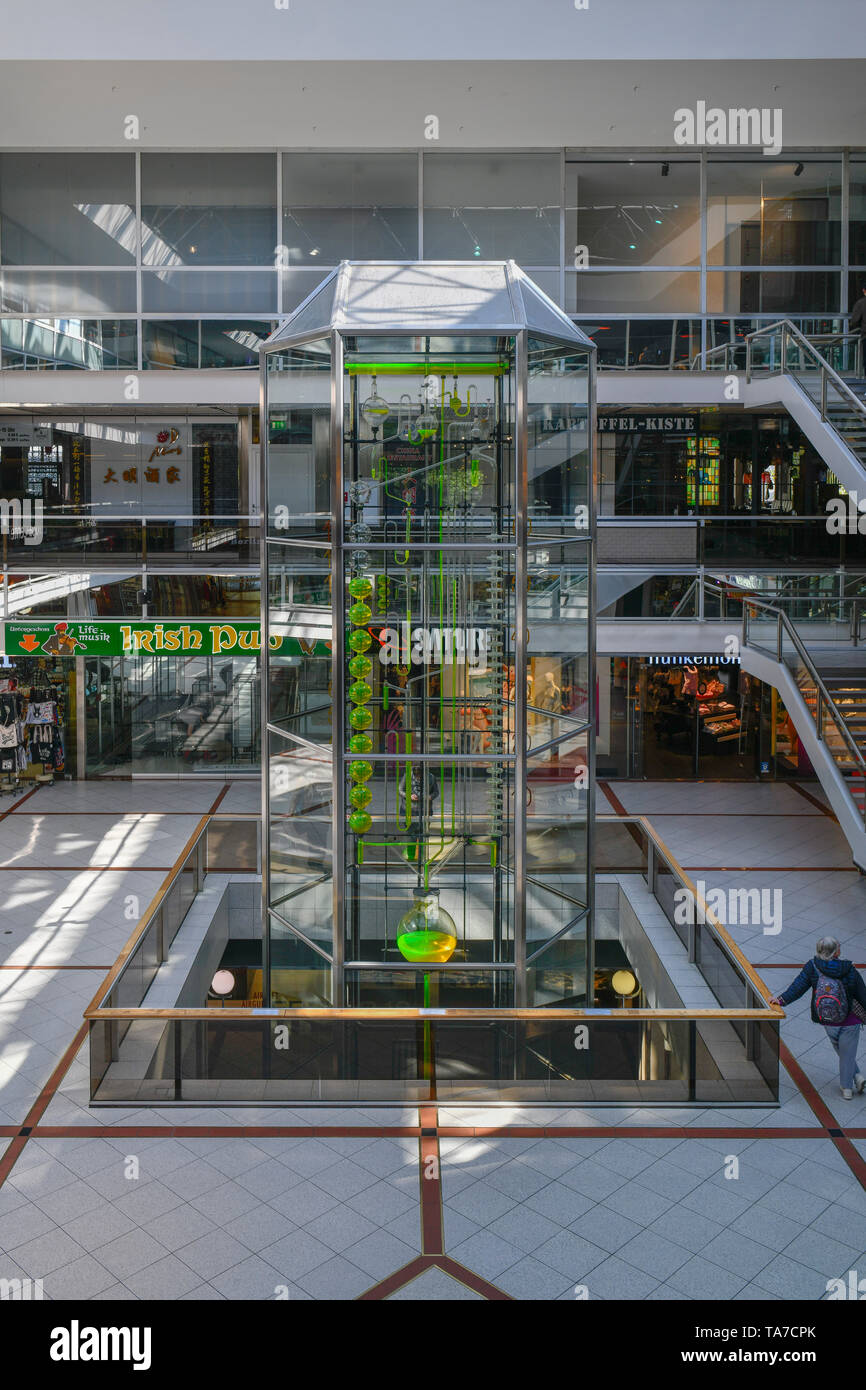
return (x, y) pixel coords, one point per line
(827, 947)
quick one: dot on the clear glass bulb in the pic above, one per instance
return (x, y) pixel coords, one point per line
(427, 933)
(375, 409)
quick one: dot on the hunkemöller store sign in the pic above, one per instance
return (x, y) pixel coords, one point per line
(118, 638)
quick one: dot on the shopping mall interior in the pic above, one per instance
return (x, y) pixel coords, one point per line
(432, 676)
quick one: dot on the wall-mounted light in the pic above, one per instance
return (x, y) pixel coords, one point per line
(666, 168)
(798, 171)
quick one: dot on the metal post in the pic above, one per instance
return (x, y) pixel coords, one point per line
(693, 1058)
(338, 711)
(520, 665)
(175, 1026)
(823, 393)
(264, 692)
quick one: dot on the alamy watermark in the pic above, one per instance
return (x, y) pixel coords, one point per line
(846, 515)
(22, 519)
(731, 907)
(712, 125)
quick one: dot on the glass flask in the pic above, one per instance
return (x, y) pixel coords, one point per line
(427, 933)
(375, 409)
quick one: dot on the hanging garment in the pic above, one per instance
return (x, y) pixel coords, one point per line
(10, 736)
(41, 712)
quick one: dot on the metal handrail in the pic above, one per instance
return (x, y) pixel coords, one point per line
(824, 698)
(787, 326)
(656, 850)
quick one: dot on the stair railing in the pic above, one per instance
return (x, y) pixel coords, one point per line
(825, 705)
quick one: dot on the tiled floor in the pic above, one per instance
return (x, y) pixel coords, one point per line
(493, 1203)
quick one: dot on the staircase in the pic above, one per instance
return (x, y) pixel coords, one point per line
(847, 689)
(819, 380)
(825, 695)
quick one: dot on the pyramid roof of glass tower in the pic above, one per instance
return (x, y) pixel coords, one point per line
(424, 297)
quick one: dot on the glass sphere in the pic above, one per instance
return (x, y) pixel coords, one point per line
(359, 559)
(360, 743)
(361, 771)
(359, 613)
(359, 492)
(360, 796)
(375, 408)
(359, 641)
(360, 718)
(360, 586)
(427, 933)
(360, 666)
(359, 692)
(359, 534)
(360, 821)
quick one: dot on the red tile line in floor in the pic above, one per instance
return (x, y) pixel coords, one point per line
(819, 1107)
(612, 798)
(432, 1228)
(46, 1095)
(14, 807)
(825, 810)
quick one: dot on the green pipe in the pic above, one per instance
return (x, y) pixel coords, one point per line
(424, 368)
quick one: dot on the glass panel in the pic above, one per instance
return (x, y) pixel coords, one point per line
(67, 209)
(558, 977)
(67, 291)
(774, 212)
(233, 342)
(208, 209)
(191, 714)
(300, 620)
(429, 448)
(492, 206)
(170, 344)
(773, 292)
(90, 344)
(350, 207)
(298, 441)
(300, 979)
(653, 291)
(558, 439)
(208, 292)
(556, 820)
(300, 837)
(659, 343)
(633, 213)
(857, 224)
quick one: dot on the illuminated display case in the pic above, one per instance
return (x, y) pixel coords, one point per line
(429, 689)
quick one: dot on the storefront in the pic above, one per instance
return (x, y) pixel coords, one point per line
(166, 466)
(669, 718)
(709, 462)
(144, 698)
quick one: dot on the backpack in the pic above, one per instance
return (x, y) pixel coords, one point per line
(831, 1001)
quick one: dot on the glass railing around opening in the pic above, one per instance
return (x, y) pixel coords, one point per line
(97, 540)
(720, 1055)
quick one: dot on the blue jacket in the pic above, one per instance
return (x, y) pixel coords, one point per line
(837, 969)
